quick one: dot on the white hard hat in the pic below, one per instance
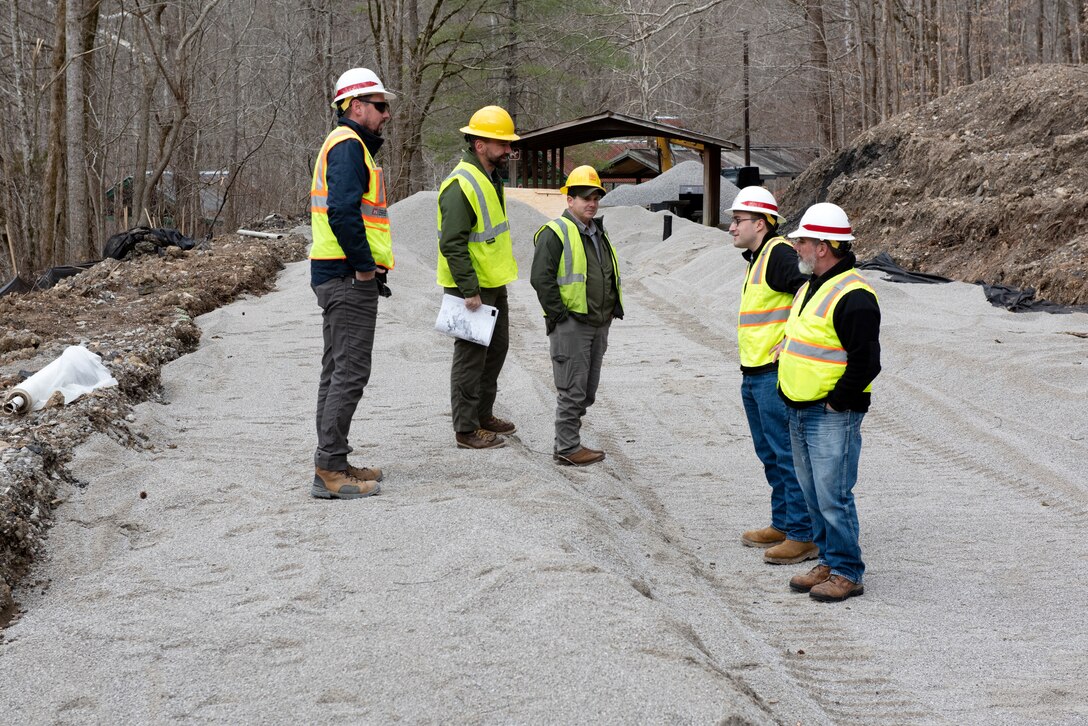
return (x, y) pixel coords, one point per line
(359, 82)
(824, 221)
(758, 200)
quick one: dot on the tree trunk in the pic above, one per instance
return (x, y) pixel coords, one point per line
(94, 190)
(965, 75)
(75, 137)
(814, 15)
(1040, 31)
(1082, 25)
(53, 220)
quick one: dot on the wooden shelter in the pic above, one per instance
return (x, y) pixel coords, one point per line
(540, 157)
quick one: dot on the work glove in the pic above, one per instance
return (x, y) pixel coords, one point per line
(380, 277)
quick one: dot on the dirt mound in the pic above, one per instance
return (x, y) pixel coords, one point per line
(137, 315)
(986, 183)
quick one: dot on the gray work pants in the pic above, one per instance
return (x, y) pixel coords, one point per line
(577, 352)
(349, 311)
(474, 374)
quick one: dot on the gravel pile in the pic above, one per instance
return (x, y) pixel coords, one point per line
(665, 188)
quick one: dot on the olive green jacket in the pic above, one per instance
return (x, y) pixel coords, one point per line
(458, 219)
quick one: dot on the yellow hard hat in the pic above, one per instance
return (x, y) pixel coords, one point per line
(582, 176)
(491, 122)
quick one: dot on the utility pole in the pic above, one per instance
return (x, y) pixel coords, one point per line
(512, 83)
(747, 105)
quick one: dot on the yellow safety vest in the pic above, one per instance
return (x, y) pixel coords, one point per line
(813, 358)
(571, 274)
(763, 312)
(489, 244)
(374, 212)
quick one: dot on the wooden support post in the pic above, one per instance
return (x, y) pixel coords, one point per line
(712, 184)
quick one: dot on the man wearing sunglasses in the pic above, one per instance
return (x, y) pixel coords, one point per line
(352, 252)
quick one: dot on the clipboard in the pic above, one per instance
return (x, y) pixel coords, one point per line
(457, 321)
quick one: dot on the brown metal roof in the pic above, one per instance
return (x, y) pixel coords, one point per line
(605, 125)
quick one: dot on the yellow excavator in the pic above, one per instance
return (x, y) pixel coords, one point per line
(664, 150)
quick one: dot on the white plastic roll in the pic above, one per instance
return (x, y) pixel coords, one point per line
(75, 372)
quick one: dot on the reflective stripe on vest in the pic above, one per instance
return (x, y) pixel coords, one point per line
(574, 267)
(490, 246)
(372, 206)
(488, 231)
(761, 321)
(813, 358)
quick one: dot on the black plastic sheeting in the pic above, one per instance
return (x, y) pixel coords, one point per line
(47, 280)
(122, 243)
(16, 284)
(884, 262)
(117, 246)
(1000, 296)
(1024, 301)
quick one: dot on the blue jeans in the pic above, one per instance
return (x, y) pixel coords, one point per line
(771, 437)
(826, 450)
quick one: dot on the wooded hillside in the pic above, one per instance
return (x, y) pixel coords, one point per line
(205, 114)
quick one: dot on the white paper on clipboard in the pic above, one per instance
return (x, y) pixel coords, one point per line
(475, 326)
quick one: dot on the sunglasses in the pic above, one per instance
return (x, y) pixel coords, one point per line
(379, 106)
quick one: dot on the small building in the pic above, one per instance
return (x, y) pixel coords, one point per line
(540, 159)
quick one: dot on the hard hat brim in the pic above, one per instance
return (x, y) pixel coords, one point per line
(761, 212)
(489, 135)
(566, 189)
(797, 234)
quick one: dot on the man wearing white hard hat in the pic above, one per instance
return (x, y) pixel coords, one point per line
(577, 279)
(826, 368)
(771, 279)
(351, 254)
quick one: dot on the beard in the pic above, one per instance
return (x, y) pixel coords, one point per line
(804, 267)
(498, 159)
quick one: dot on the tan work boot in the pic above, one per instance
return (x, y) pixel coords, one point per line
(791, 552)
(497, 425)
(366, 473)
(581, 457)
(766, 537)
(480, 439)
(341, 485)
(836, 589)
(809, 580)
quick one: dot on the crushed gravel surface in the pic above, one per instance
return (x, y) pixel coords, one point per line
(137, 314)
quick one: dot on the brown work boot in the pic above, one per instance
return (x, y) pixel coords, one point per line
(809, 580)
(480, 439)
(581, 457)
(497, 425)
(835, 589)
(766, 537)
(366, 473)
(791, 552)
(341, 485)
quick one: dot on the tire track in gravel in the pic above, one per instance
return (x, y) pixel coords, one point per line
(1007, 459)
(837, 668)
(660, 475)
